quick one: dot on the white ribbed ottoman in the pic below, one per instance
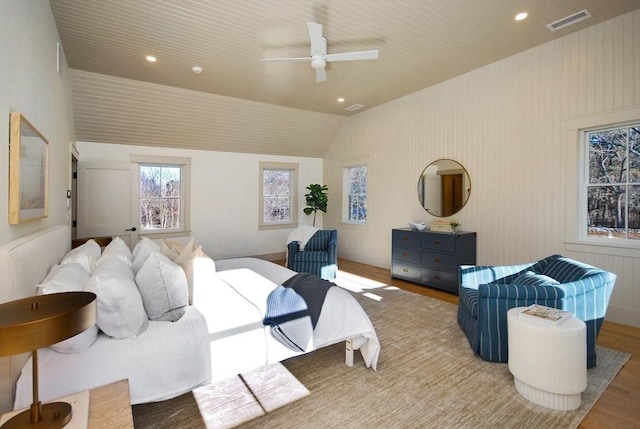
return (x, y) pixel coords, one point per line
(548, 362)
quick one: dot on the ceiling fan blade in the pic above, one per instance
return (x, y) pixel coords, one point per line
(315, 35)
(321, 75)
(286, 59)
(350, 56)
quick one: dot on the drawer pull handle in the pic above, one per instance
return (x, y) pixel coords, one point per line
(437, 243)
(436, 277)
(405, 270)
(405, 238)
(437, 261)
(406, 255)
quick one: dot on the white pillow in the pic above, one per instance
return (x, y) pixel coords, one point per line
(86, 255)
(70, 277)
(120, 310)
(117, 248)
(145, 243)
(140, 255)
(163, 287)
(198, 267)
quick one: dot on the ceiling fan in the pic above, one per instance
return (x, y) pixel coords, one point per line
(319, 57)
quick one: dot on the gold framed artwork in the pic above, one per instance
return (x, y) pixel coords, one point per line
(28, 171)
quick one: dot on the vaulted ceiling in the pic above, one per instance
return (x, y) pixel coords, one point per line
(241, 104)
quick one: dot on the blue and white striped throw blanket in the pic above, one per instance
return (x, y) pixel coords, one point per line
(293, 310)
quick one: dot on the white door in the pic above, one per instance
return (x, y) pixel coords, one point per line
(107, 200)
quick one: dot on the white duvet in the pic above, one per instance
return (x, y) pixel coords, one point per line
(221, 335)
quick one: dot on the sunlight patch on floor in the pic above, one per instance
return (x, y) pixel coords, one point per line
(244, 397)
(372, 296)
(355, 283)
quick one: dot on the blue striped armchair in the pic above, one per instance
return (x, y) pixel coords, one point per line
(488, 292)
(319, 257)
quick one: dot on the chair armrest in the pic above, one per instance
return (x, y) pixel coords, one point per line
(293, 247)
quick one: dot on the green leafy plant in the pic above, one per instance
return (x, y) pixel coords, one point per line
(316, 200)
(454, 225)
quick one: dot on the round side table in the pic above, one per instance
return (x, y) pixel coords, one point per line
(548, 361)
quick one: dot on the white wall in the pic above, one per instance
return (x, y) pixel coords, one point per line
(509, 124)
(31, 85)
(224, 195)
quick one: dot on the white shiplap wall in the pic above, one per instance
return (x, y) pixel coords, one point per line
(507, 124)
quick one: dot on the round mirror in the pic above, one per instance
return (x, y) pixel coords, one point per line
(444, 187)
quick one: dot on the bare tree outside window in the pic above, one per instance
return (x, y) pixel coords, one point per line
(357, 194)
(276, 191)
(613, 188)
(160, 197)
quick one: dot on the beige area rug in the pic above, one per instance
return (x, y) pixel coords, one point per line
(427, 378)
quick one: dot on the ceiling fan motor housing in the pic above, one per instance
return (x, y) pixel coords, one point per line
(318, 63)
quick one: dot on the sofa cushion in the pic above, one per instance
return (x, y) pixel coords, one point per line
(529, 278)
(566, 270)
(163, 287)
(86, 255)
(70, 277)
(120, 310)
(117, 248)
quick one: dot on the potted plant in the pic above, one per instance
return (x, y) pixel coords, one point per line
(454, 226)
(316, 200)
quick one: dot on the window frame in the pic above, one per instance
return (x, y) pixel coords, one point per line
(585, 185)
(185, 192)
(346, 177)
(573, 177)
(293, 168)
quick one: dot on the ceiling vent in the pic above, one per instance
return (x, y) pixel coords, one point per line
(569, 20)
(354, 107)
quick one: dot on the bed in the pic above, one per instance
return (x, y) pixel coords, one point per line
(219, 335)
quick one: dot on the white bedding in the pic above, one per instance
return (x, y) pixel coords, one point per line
(144, 360)
(221, 335)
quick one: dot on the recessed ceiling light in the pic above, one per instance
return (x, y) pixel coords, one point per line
(196, 69)
(521, 16)
(151, 58)
(341, 100)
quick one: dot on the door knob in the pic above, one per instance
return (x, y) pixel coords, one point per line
(131, 229)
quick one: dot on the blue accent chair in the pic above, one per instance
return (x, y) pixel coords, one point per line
(319, 257)
(488, 292)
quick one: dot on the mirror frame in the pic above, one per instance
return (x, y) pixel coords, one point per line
(465, 186)
(28, 171)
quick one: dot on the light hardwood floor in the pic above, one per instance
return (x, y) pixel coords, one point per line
(618, 407)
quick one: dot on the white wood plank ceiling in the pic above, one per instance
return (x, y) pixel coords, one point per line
(241, 104)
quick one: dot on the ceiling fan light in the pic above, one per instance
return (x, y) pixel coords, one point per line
(318, 63)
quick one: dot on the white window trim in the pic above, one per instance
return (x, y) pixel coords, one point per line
(345, 192)
(185, 191)
(265, 165)
(575, 217)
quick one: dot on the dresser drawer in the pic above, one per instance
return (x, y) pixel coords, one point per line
(439, 242)
(406, 271)
(446, 280)
(406, 254)
(440, 261)
(406, 238)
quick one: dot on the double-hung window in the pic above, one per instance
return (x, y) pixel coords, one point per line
(278, 196)
(355, 194)
(611, 182)
(163, 194)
